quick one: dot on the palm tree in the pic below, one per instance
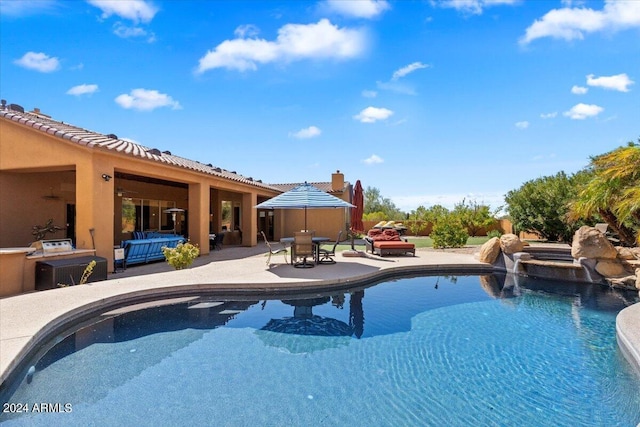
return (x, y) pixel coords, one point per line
(613, 192)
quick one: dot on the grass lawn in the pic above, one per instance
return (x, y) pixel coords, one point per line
(420, 242)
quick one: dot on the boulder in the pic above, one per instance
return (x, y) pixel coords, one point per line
(625, 253)
(489, 251)
(627, 282)
(510, 244)
(636, 252)
(611, 268)
(638, 279)
(588, 242)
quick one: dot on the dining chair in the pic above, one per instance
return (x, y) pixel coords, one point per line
(325, 255)
(217, 242)
(303, 248)
(273, 251)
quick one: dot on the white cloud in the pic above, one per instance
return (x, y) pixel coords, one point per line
(474, 7)
(294, 42)
(579, 90)
(373, 159)
(358, 8)
(82, 89)
(619, 82)
(548, 115)
(522, 125)
(408, 69)
(373, 114)
(125, 32)
(582, 111)
(369, 93)
(133, 10)
(397, 87)
(572, 23)
(306, 133)
(248, 30)
(39, 62)
(146, 100)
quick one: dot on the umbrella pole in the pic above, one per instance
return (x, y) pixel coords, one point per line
(353, 244)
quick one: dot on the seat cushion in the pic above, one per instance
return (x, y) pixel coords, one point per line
(396, 244)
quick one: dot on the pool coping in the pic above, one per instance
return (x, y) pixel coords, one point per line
(28, 322)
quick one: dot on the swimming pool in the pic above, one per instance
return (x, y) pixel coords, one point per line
(431, 350)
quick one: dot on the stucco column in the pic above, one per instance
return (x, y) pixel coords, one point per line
(95, 208)
(216, 211)
(249, 219)
(199, 216)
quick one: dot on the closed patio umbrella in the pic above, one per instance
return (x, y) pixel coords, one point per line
(304, 196)
(356, 212)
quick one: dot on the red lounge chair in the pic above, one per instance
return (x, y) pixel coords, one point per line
(388, 242)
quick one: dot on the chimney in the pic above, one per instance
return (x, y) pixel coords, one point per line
(337, 181)
(37, 111)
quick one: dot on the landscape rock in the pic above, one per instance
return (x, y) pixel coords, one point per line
(489, 251)
(625, 253)
(638, 278)
(588, 242)
(636, 252)
(510, 244)
(611, 268)
(627, 282)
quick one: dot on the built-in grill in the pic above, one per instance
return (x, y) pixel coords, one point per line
(51, 247)
(62, 265)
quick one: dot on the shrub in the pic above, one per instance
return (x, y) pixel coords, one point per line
(182, 255)
(494, 233)
(449, 232)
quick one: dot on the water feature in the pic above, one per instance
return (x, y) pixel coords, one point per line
(463, 350)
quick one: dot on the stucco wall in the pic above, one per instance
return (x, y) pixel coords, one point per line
(32, 199)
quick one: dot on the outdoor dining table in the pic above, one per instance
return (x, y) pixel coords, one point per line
(317, 241)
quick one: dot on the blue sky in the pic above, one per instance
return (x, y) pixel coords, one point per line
(429, 101)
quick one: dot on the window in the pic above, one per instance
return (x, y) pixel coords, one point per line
(143, 215)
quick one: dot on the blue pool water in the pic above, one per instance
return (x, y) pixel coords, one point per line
(454, 351)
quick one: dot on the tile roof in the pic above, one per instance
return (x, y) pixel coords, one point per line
(324, 186)
(112, 143)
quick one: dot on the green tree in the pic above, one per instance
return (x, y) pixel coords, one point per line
(435, 212)
(473, 216)
(374, 202)
(417, 221)
(541, 206)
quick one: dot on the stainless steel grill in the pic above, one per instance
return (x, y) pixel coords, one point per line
(50, 247)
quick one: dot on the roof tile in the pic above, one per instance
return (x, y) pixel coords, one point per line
(100, 141)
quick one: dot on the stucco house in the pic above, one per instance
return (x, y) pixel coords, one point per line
(98, 189)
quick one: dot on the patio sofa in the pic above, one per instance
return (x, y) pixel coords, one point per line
(141, 251)
(387, 242)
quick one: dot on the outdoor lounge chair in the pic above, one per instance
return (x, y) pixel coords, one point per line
(272, 251)
(388, 242)
(325, 256)
(303, 248)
